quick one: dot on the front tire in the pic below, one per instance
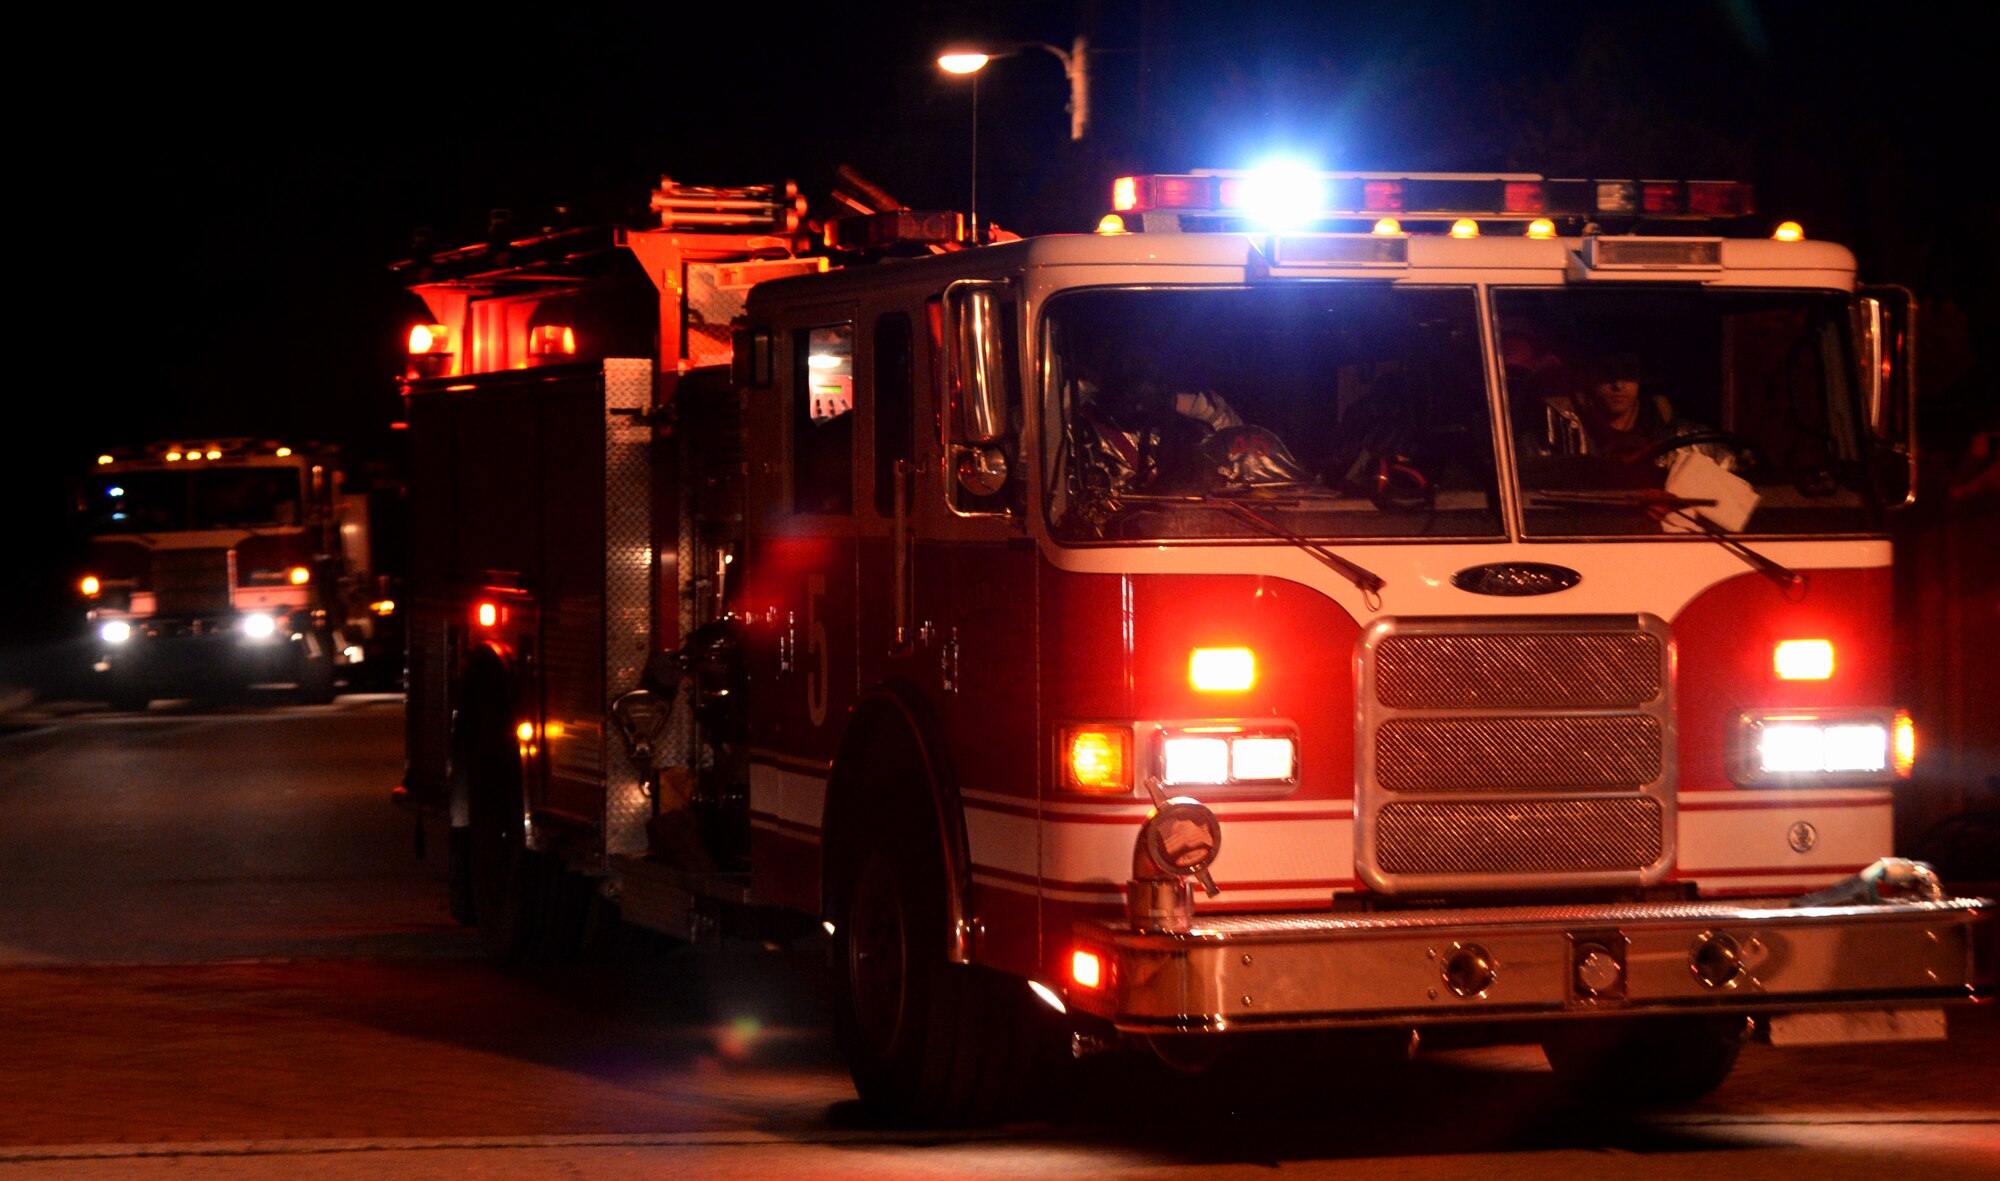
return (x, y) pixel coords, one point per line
(1660, 1060)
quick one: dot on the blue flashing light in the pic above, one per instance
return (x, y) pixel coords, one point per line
(1279, 194)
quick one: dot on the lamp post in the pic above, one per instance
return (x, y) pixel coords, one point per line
(1075, 64)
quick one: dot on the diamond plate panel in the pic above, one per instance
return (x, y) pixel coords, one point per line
(1562, 670)
(628, 583)
(1590, 753)
(1520, 837)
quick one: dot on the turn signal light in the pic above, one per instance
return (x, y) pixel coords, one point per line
(299, 575)
(90, 585)
(1804, 660)
(1085, 969)
(1096, 758)
(1222, 670)
(1903, 745)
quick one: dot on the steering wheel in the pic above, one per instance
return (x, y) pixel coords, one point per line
(1745, 450)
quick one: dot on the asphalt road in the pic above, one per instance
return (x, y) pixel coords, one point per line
(221, 957)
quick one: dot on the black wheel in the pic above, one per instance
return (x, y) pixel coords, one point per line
(506, 880)
(928, 1042)
(1663, 1060)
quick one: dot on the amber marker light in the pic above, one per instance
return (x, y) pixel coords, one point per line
(1222, 670)
(1085, 969)
(1903, 745)
(90, 586)
(1465, 227)
(1789, 231)
(299, 575)
(1095, 759)
(487, 614)
(1388, 226)
(1541, 229)
(1804, 660)
(1111, 223)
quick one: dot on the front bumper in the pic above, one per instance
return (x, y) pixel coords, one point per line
(1240, 972)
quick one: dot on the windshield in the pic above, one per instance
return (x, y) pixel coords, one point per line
(1630, 406)
(1337, 410)
(207, 498)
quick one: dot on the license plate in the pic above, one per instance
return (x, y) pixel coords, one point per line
(1868, 1025)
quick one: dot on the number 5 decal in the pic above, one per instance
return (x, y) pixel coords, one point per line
(816, 684)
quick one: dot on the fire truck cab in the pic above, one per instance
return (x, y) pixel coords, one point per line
(1498, 563)
(218, 564)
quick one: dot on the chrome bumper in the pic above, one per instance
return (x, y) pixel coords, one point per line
(1275, 971)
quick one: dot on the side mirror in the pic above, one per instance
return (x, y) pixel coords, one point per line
(980, 363)
(1886, 322)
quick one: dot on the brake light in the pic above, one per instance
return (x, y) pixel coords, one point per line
(1541, 229)
(1085, 969)
(488, 614)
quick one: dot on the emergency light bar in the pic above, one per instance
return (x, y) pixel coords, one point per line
(1369, 195)
(776, 208)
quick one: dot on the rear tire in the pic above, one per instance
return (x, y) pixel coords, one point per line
(1661, 1060)
(507, 880)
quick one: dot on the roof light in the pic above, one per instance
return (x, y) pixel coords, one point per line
(1661, 197)
(1789, 231)
(1525, 196)
(1541, 229)
(1719, 198)
(1382, 196)
(1387, 226)
(1111, 223)
(429, 338)
(1465, 227)
(551, 340)
(1125, 194)
(1280, 194)
(1222, 670)
(1803, 660)
(962, 63)
(1617, 196)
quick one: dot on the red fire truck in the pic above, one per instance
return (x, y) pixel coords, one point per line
(217, 564)
(1498, 561)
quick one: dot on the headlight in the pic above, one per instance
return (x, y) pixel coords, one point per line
(259, 627)
(117, 631)
(1807, 748)
(1228, 755)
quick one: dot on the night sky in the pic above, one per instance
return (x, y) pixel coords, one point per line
(216, 196)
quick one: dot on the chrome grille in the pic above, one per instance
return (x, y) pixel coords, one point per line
(191, 581)
(1515, 753)
(1498, 754)
(1520, 837)
(1581, 670)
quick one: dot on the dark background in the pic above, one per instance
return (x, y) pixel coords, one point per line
(217, 194)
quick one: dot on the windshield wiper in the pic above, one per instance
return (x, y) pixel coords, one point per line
(1660, 503)
(1368, 582)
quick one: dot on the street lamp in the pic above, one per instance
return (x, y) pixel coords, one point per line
(1075, 67)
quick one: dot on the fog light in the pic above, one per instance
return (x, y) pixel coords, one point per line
(1716, 959)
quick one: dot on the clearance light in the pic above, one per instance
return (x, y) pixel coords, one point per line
(1804, 660)
(215, 455)
(1111, 223)
(552, 340)
(1222, 670)
(1125, 194)
(299, 576)
(173, 457)
(1903, 745)
(1789, 231)
(488, 614)
(103, 459)
(1541, 229)
(90, 585)
(1465, 227)
(1086, 970)
(115, 632)
(1387, 226)
(383, 606)
(283, 452)
(1096, 758)
(429, 338)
